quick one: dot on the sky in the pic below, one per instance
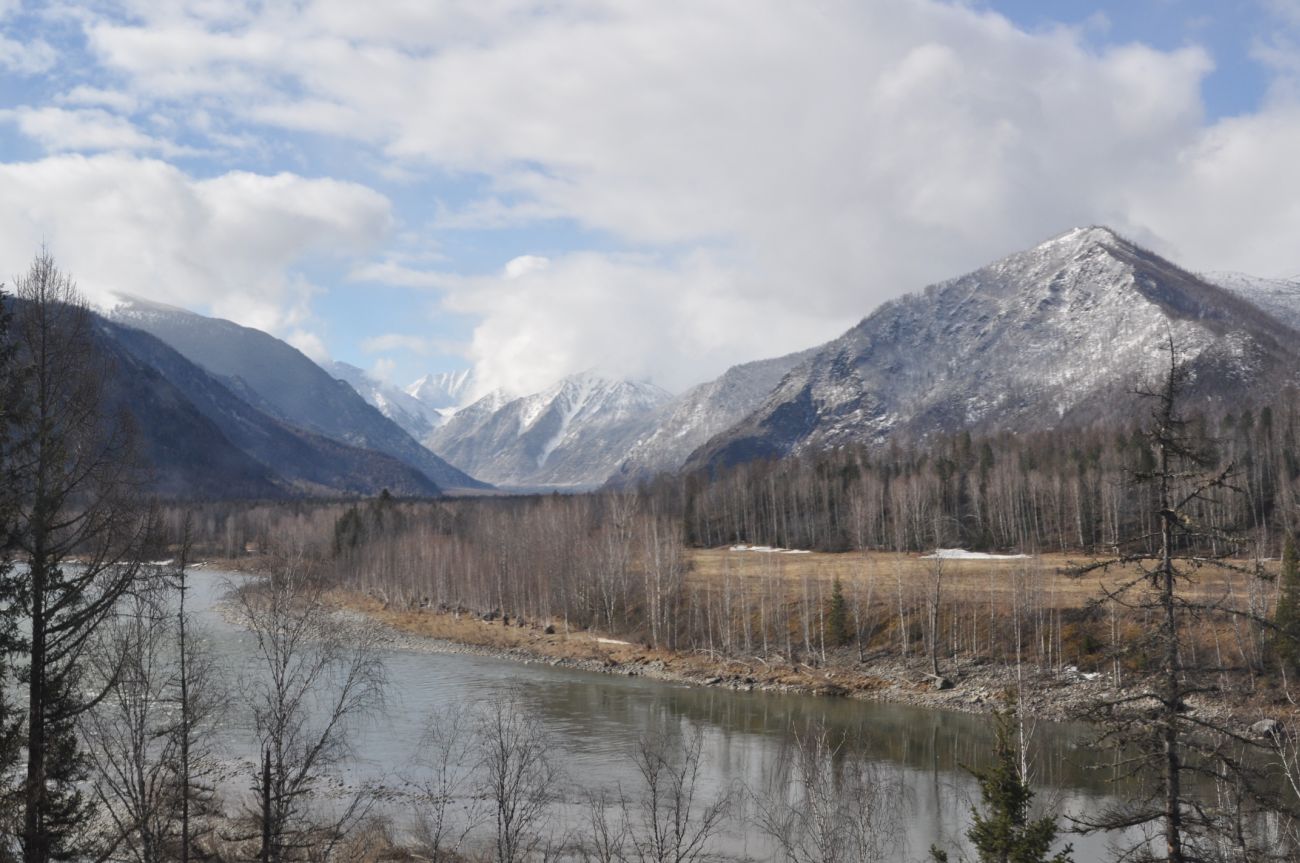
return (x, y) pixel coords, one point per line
(533, 188)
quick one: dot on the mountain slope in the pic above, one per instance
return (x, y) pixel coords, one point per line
(444, 390)
(205, 441)
(572, 434)
(1279, 297)
(1057, 334)
(700, 413)
(281, 381)
(415, 417)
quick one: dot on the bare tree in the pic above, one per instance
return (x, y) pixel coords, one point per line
(314, 680)
(669, 822)
(82, 528)
(825, 806)
(519, 776)
(449, 810)
(146, 737)
(1156, 727)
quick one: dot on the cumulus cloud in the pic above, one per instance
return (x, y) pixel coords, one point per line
(782, 168)
(26, 57)
(84, 129)
(229, 244)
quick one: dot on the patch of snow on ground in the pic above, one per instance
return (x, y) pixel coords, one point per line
(963, 554)
(767, 549)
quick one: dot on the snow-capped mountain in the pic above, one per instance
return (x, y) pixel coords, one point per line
(417, 418)
(281, 381)
(700, 413)
(572, 434)
(443, 390)
(1057, 334)
(1279, 297)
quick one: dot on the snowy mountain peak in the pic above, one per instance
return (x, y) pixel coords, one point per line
(442, 390)
(573, 433)
(1057, 333)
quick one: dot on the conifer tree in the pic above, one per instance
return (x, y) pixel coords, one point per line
(837, 617)
(1002, 830)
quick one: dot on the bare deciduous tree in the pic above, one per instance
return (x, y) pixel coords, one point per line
(519, 777)
(670, 822)
(314, 680)
(825, 806)
(449, 810)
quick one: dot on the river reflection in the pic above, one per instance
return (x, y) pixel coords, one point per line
(596, 721)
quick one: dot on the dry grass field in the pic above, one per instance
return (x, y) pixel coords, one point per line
(977, 579)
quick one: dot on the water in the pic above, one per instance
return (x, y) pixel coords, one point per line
(596, 721)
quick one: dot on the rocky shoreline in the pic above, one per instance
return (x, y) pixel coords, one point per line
(977, 688)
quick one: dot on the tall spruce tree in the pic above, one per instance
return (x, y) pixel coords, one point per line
(81, 528)
(12, 411)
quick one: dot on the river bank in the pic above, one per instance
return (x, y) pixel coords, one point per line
(978, 688)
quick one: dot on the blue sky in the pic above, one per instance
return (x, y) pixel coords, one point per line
(657, 190)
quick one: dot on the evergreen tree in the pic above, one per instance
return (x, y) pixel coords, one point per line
(1001, 829)
(12, 409)
(837, 617)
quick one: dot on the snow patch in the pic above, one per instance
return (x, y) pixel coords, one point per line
(963, 554)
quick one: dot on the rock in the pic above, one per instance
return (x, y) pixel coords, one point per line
(1267, 728)
(713, 681)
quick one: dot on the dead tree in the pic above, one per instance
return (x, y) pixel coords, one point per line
(1164, 744)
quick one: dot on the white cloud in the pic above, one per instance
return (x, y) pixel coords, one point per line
(521, 266)
(27, 57)
(229, 244)
(99, 96)
(84, 129)
(397, 342)
(310, 344)
(788, 165)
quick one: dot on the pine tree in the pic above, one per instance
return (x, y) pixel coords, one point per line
(1003, 832)
(12, 410)
(837, 617)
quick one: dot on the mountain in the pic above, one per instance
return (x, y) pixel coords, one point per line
(1279, 297)
(572, 435)
(414, 416)
(444, 390)
(197, 439)
(701, 412)
(1055, 335)
(281, 381)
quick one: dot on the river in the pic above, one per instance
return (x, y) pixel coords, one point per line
(595, 721)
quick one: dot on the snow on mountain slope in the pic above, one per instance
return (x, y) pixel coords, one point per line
(700, 413)
(1279, 297)
(280, 380)
(1057, 334)
(572, 434)
(417, 418)
(444, 390)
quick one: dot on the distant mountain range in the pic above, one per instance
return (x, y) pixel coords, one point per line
(1058, 334)
(573, 434)
(281, 381)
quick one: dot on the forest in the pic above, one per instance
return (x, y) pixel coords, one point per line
(110, 702)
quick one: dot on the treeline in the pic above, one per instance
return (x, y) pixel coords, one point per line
(1061, 491)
